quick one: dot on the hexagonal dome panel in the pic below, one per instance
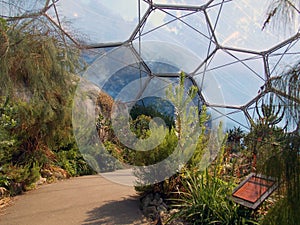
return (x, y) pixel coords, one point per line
(93, 22)
(238, 24)
(283, 57)
(179, 27)
(231, 73)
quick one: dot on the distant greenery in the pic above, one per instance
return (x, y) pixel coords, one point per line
(139, 126)
(152, 111)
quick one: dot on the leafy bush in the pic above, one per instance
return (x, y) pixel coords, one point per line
(101, 158)
(73, 162)
(19, 178)
(140, 127)
(8, 141)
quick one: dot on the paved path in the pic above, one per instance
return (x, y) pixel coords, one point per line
(87, 200)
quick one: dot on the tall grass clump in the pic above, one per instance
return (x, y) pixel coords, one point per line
(204, 199)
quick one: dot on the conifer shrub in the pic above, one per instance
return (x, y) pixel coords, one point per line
(180, 136)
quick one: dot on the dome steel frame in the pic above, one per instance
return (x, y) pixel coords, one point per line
(135, 43)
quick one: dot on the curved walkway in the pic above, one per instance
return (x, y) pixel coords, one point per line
(87, 200)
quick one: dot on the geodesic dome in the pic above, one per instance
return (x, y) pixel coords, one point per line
(142, 45)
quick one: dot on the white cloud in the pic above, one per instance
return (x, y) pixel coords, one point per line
(231, 38)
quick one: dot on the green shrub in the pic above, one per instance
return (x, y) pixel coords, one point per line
(4, 181)
(19, 178)
(159, 153)
(70, 159)
(100, 158)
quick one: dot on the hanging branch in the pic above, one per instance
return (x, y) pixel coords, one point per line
(282, 11)
(31, 14)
